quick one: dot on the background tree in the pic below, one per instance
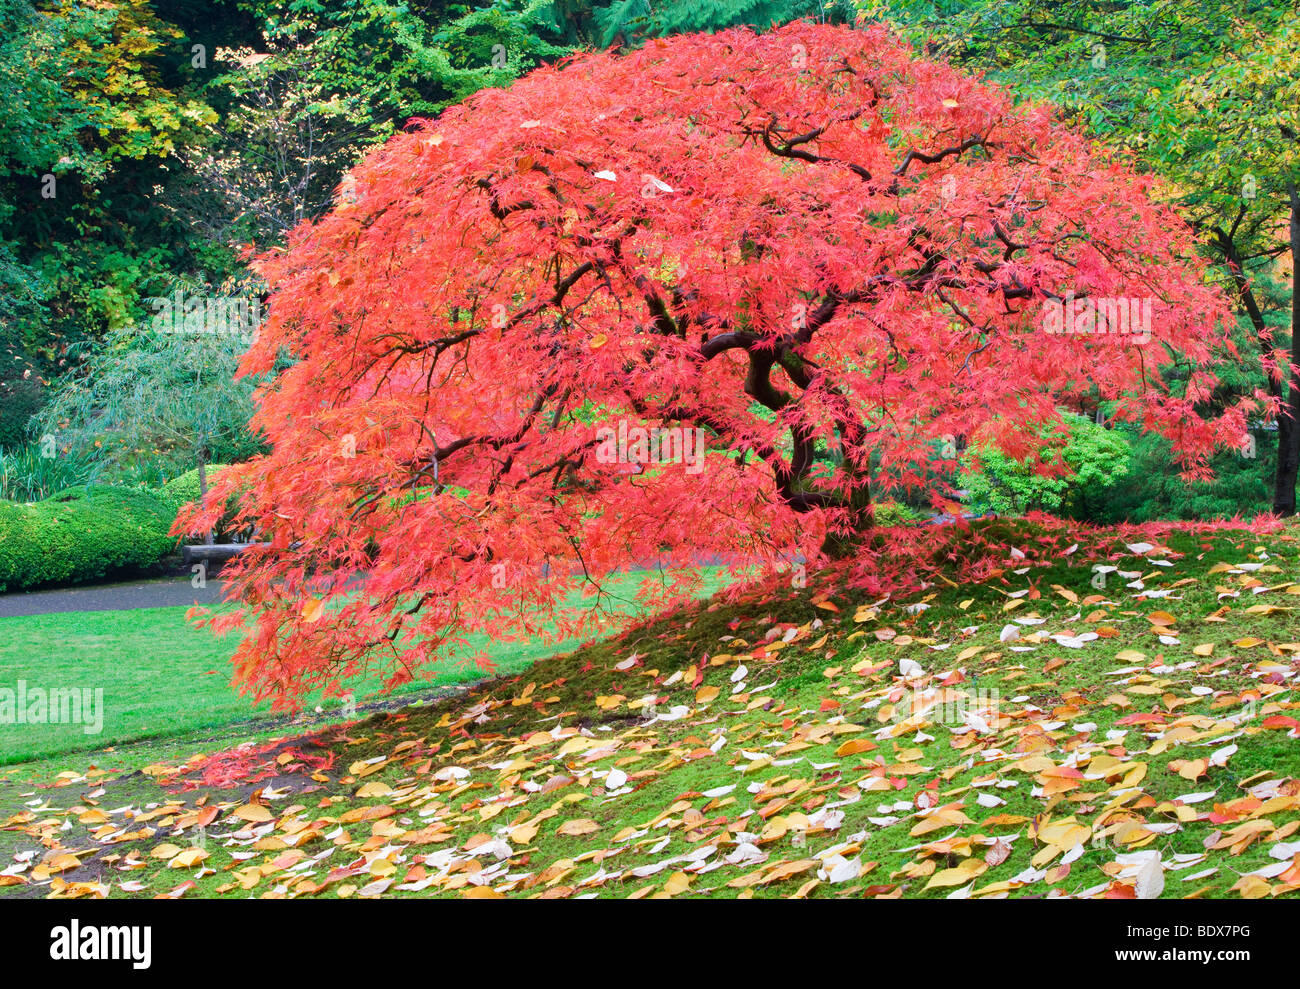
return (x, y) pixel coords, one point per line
(867, 245)
(1199, 91)
(152, 405)
(167, 158)
(38, 132)
(1073, 472)
(631, 22)
(80, 183)
(281, 148)
(1239, 125)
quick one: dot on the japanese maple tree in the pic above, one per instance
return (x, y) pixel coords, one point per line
(823, 252)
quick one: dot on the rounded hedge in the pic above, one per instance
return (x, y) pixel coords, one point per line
(184, 489)
(82, 534)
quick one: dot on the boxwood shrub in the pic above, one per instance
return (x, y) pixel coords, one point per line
(185, 488)
(182, 490)
(82, 534)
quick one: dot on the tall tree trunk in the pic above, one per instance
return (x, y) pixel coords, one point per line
(1288, 425)
(203, 490)
(1263, 334)
(861, 520)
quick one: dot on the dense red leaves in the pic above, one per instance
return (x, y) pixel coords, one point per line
(811, 221)
(248, 764)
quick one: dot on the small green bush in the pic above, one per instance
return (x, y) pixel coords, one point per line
(184, 489)
(81, 534)
(894, 513)
(1096, 458)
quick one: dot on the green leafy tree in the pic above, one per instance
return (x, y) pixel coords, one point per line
(1242, 484)
(1238, 123)
(633, 21)
(1072, 472)
(39, 121)
(304, 97)
(92, 115)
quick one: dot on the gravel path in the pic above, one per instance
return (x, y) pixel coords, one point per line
(159, 593)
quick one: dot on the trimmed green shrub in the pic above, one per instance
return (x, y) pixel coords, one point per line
(184, 489)
(135, 504)
(894, 513)
(82, 534)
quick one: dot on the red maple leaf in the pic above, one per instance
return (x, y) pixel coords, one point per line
(676, 305)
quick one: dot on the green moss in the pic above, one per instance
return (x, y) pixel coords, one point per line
(518, 775)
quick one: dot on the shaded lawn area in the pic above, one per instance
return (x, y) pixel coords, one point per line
(160, 676)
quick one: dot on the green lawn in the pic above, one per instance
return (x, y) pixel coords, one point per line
(160, 676)
(1152, 719)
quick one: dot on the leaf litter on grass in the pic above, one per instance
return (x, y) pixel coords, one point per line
(1128, 737)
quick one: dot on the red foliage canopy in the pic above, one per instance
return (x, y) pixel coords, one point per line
(809, 249)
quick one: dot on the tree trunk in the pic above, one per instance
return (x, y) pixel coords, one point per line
(861, 518)
(1288, 424)
(1237, 269)
(203, 492)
